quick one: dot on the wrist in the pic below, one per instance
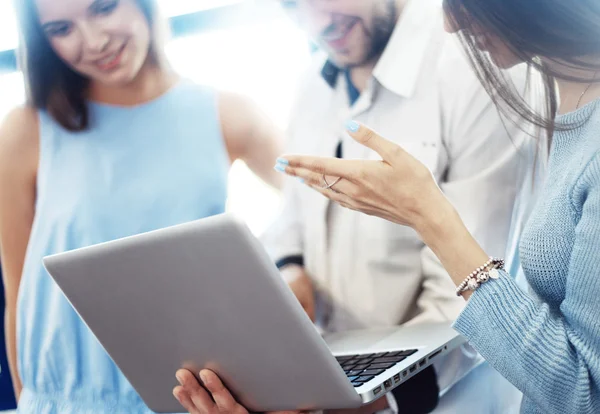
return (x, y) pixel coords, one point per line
(443, 231)
(435, 220)
(291, 272)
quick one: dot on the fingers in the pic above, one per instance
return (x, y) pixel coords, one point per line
(223, 398)
(338, 196)
(194, 393)
(317, 166)
(314, 179)
(339, 192)
(184, 399)
(369, 138)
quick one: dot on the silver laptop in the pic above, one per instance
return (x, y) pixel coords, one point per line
(206, 294)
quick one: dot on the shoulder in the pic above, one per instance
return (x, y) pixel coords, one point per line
(19, 138)
(240, 118)
(233, 104)
(237, 113)
(588, 181)
(590, 174)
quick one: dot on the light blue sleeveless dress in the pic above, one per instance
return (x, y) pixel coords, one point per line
(135, 170)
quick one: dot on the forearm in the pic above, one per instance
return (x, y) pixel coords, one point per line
(262, 166)
(442, 229)
(536, 348)
(11, 348)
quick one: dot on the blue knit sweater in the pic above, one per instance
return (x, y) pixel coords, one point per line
(547, 342)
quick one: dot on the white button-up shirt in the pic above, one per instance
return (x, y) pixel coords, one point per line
(424, 96)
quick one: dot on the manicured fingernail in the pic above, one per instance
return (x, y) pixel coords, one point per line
(301, 180)
(352, 126)
(283, 161)
(203, 377)
(179, 378)
(279, 168)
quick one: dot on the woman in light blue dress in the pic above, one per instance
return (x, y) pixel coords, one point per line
(111, 143)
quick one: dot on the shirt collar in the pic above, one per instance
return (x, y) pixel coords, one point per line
(400, 64)
(330, 73)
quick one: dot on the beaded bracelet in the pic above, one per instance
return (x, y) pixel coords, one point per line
(481, 275)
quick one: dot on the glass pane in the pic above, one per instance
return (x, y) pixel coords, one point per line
(8, 27)
(170, 8)
(12, 92)
(178, 7)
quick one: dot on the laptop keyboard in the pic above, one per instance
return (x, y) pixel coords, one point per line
(363, 368)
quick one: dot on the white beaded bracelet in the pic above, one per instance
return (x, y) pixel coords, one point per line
(481, 275)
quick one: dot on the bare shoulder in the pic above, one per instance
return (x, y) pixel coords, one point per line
(238, 115)
(233, 105)
(19, 140)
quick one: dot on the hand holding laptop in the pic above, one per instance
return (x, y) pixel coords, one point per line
(139, 296)
(196, 399)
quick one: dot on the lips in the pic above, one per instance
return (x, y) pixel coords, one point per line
(110, 61)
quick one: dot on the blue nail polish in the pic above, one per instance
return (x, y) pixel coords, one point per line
(301, 180)
(352, 126)
(283, 161)
(279, 168)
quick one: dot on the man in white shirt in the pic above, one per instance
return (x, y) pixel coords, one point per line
(389, 65)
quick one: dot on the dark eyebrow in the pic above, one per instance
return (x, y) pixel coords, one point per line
(94, 4)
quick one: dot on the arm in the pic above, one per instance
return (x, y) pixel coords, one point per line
(551, 355)
(18, 165)
(483, 160)
(250, 136)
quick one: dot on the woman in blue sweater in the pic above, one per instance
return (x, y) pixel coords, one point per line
(546, 342)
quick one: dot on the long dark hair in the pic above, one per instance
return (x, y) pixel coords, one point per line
(51, 84)
(536, 31)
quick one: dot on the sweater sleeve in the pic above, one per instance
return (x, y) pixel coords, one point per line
(552, 357)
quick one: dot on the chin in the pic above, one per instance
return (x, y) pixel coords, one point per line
(346, 61)
(119, 78)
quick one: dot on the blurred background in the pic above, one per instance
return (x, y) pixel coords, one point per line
(247, 46)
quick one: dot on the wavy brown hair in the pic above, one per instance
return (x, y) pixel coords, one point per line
(50, 83)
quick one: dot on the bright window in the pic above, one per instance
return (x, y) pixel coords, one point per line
(264, 62)
(170, 8)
